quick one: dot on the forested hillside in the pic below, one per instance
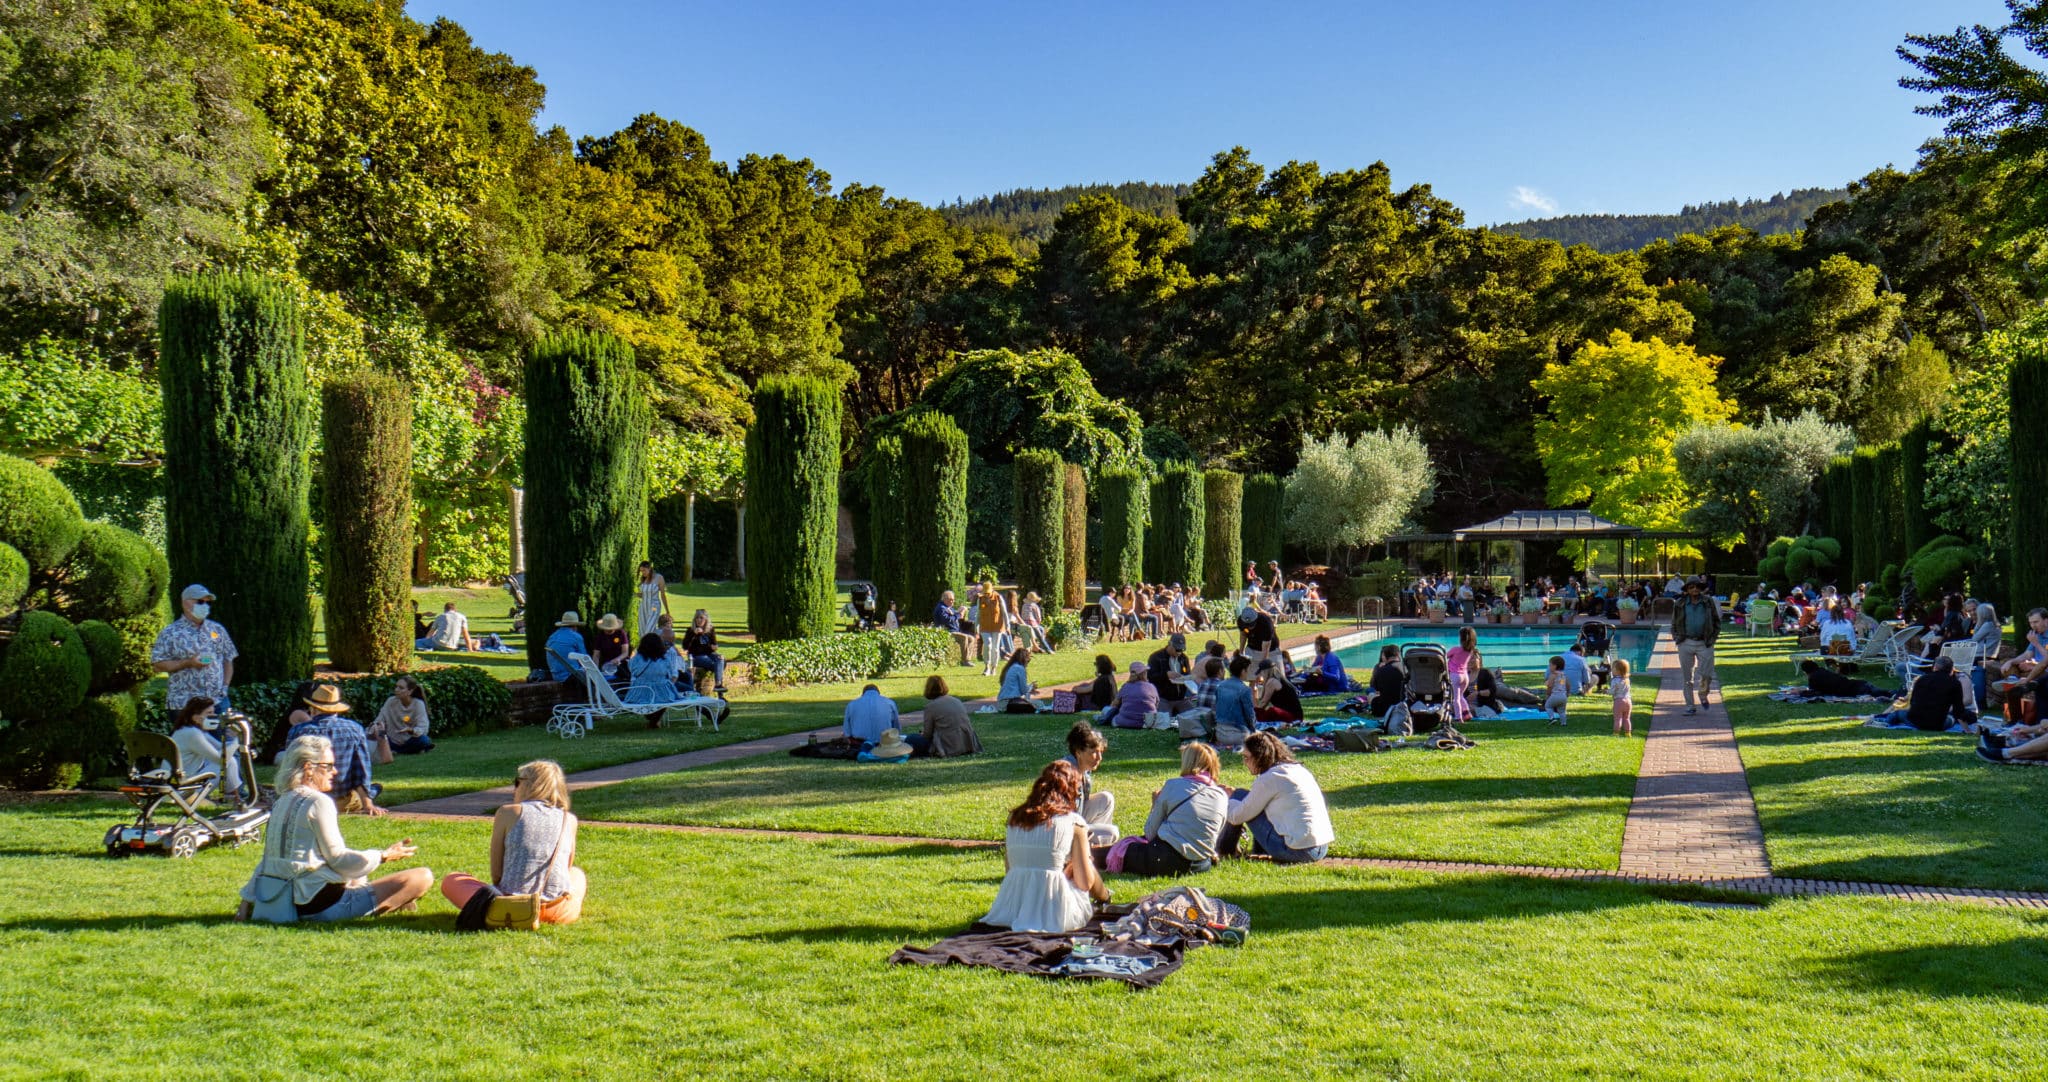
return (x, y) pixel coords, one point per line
(1781, 213)
(1027, 213)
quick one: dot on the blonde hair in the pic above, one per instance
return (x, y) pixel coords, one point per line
(1200, 758)
(1620, 670)
(298, 755)
(544, 782)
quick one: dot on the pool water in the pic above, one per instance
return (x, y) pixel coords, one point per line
(1514, 647)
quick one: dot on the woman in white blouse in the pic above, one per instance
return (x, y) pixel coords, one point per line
(1049, 878)
(328, 880)
(1283, 810)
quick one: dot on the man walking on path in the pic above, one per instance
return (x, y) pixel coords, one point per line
(1694, 626)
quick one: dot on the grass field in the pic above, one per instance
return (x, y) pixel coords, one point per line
(748, 958)
(1529, 794)
(1839, 801)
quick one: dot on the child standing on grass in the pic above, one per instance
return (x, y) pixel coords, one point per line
(1624, 701)
(1557, 689)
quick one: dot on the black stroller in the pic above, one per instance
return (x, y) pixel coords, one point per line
(864, 607)
(1429, 683)
(1597, 642)
(516, 586)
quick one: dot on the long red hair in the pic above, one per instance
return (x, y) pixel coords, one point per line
(1056, 791)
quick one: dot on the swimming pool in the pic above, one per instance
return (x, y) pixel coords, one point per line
(1514, 647)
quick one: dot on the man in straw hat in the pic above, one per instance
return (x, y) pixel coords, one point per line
(353, 790)
(566, 639)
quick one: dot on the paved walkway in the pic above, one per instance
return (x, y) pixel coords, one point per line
(1693, 813)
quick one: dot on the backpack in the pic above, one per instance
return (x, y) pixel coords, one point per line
(1399, 721)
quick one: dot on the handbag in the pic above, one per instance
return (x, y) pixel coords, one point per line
(274, 902)
(1065, 701)
(507, 912)
(382, 748)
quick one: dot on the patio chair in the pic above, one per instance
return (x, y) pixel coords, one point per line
(570, 720)
(647, 703)
(1763, 616)
(1871, 652)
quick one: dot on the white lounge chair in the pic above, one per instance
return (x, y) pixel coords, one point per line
(569, 720)
(645, 701)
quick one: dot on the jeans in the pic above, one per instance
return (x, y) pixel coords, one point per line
(1044, 644)
(714, 662)
(1266, 839)
(1696, 659)
(991, 647)
(412, 747)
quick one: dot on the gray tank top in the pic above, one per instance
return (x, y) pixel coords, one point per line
(532, 838)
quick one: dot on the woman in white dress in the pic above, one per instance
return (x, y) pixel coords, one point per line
(1049, 879)
(653, 601)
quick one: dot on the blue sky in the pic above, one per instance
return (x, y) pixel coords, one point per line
(1510, 110)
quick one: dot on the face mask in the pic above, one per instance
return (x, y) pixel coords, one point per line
(210, 722)
(202, 610)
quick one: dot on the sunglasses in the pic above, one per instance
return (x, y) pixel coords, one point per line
(329, 767)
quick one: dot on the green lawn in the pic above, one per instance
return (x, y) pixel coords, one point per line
(1839, 801)
(749, 958)
(1529, 794)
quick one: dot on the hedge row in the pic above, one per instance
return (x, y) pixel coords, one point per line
(1263, 511)
(1223, 530)
(835, 659)
(1123, 527)
(1178, 518)
(934, 510)
(1040, 480)
(462, 700)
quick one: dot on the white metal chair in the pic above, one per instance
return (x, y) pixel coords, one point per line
(644, 701)
(570, 720)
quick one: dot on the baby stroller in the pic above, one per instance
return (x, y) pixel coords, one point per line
(864, 607)
(516, 586)
(1598, 643)
(1429, 683)
(149, 787)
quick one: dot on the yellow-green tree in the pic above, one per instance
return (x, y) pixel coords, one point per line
(1615, 410)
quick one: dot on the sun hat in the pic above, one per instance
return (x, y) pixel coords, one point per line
(570, 619)
(610, 622)
(891, 746)
(196, 592)
(326, 699)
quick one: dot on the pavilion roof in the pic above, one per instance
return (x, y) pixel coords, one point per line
(1545, 526)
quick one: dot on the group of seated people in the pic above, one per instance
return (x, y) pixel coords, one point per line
(1586, 595)
(661, 665)
(992, 622)
(948, 732)
(1237, 688)
(401, 726)
(1059, 841)
(308, 872)
(1284, 598)
(1148, 611)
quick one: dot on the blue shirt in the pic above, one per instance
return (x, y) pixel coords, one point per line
(659, 674)
(565, 641)
(1234, 704)
(868, 714)
(351, 749)
(1016, 683)
(946, 616)
(1333, 669)
(1577, 676)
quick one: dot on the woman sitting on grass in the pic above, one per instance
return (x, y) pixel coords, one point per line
(1085, 748)
(1187, 818)
(403, 720)
(1015, 694)
(1283, 810)
(654, 667)
(1049, 882)
(1102, 692)
(948, 731)
(303, 845)
(1273, 697)
(1327, 673)
(1137, 700)
(533, 846)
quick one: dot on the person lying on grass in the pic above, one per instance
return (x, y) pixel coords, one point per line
(1283, 810)
(533, 848)
(303, 844)
(1049, 880)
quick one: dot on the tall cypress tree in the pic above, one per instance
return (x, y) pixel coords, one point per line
(1074, 593)
(366, 490)
(1223, 531)
(1123, 526)
(792, 508)
(2027, 476)
(886, 527)
(1153, 565)
(1891, 502)
(1264, 511)
(1040, 497)
(1866, 530)
(1915, 445)
(238, 429)
(1841, 504)
(935, 462)
(587, 427)
(1178, 518)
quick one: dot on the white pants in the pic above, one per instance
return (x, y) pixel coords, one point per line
(1696, 660)
(1098, 810)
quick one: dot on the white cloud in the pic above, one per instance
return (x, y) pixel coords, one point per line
(1527, 198)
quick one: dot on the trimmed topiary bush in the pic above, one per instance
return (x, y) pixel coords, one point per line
(1040, 498)
(13, 578)
(887, 535)
(103, 646)
(96, 740)
(587, 426)
(46, 670)
(1074, 591)
(935, 463)
(238, 430)
(1222, 530)
(1942, 566)
(1264, 511)
(38, 516)
(2027, 478)
(366, 491)
(793, 508)
(111, 574)
(1866, 534)
(138, 636)
(1123, 527)
(1177, 519)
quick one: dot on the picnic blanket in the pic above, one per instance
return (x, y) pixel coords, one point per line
(1870, 721)
(1518, 713)
(1797, 693)
(1050, 954)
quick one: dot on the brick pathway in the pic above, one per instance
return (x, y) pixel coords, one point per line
(1692, 814)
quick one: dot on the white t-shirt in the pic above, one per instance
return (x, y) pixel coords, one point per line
(450, 631)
